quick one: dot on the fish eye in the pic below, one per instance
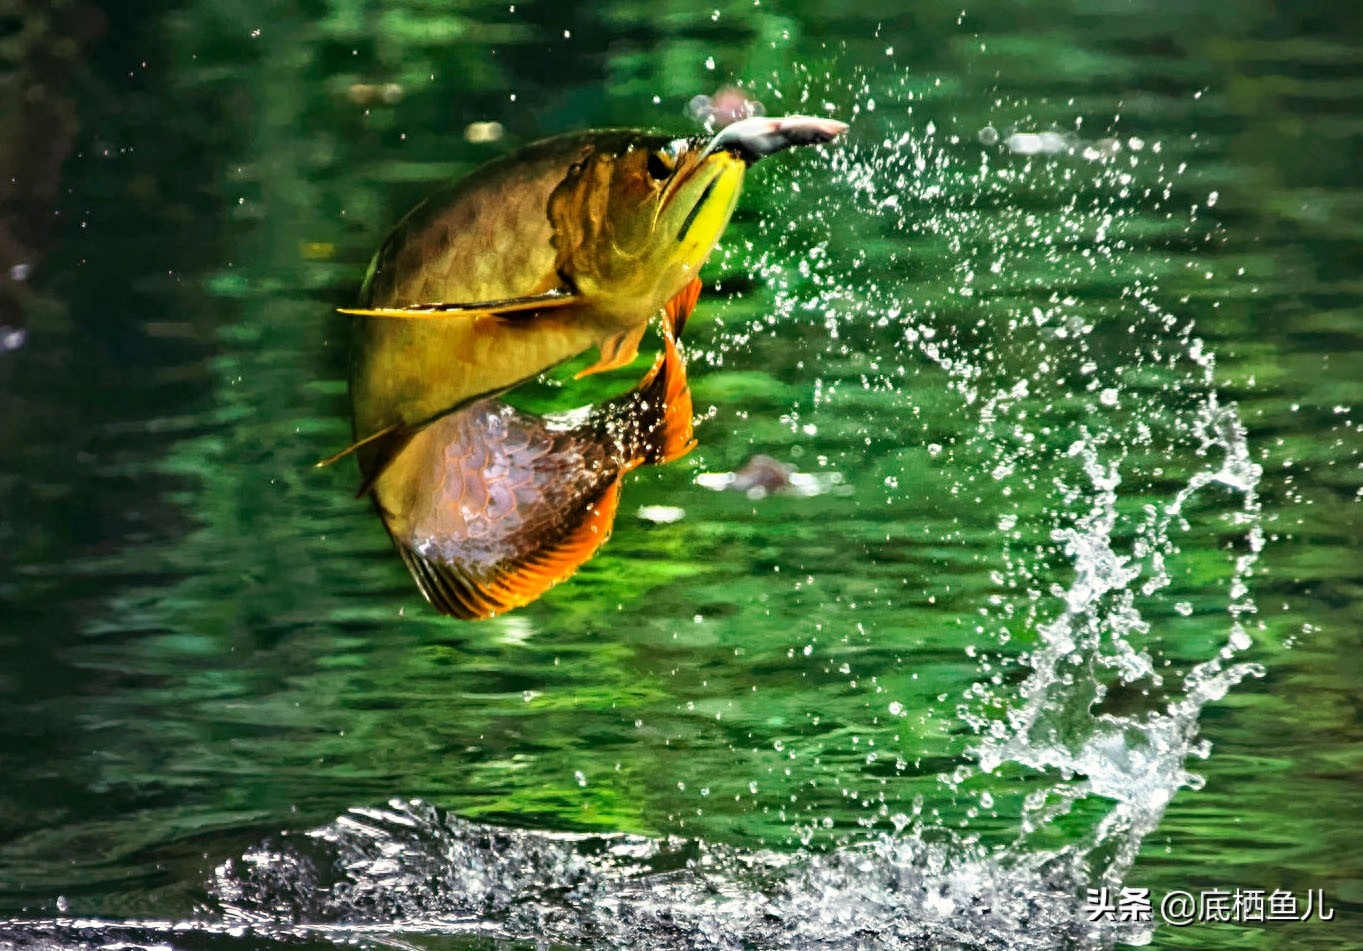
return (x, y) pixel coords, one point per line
(660, 165)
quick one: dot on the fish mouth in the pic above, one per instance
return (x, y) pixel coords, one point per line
(703, 176)
(717, 171)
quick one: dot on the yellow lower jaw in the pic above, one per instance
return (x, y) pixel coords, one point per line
(710, 218)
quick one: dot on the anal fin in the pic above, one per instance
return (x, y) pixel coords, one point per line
(617, 351)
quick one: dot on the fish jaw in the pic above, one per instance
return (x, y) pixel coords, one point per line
(689, 221)
(709, 214)
(694, 210)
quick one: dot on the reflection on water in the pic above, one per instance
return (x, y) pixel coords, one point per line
(1091, 409)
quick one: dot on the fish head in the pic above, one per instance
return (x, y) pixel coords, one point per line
(638, 214)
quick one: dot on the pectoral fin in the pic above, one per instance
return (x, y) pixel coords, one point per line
(665, 413)
(387, 443)
(511, 307)
(618, 351)
(329, 460)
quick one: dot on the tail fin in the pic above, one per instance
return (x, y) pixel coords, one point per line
(476, 592)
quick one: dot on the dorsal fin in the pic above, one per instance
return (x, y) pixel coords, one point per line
(510, 307)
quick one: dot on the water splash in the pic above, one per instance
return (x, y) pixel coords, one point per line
(1136, 760)
(1057, 406)
(387, 876)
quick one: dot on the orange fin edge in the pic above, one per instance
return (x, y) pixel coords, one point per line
(666, 382)
(678, 437)
(454, 591)
(679, 308)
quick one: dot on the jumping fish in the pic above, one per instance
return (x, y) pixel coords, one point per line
(571, 243)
